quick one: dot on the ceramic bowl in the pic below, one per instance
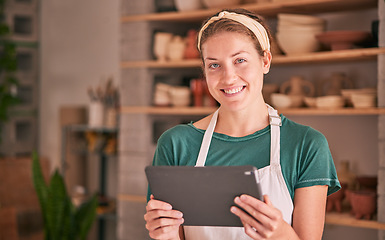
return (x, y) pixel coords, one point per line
(183, 5)
(297, 43)
(330, 102)
(363, 202)
(299, 28)
(280, 100)
(340, 40)
(180, 96)
(310, 101)
(347, 93)
(364, 100)
(220, 3)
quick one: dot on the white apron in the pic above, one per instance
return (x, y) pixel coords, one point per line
(271, 179)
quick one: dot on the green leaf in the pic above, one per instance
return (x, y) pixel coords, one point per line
(85, 216)
(41, 189)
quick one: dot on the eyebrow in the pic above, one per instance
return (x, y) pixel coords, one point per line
(233, 55)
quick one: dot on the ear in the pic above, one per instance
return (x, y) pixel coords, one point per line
(266, 60)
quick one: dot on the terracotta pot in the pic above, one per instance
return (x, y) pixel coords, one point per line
(334, 201)
(363, 202)
(367, 182)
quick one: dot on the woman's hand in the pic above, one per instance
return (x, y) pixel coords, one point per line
(161, 221)
(265, 221)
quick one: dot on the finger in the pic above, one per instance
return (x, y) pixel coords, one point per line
(252, 207)
(251, 232)
(157, 204)
(163, 223)
(154, 214)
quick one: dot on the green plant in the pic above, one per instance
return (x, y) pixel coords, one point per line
(8, 67)
(62, 220)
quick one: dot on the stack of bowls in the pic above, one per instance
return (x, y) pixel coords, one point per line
(296, 33)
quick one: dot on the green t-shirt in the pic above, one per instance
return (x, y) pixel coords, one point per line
(305, 156)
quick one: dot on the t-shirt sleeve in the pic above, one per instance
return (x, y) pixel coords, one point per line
(317, 166)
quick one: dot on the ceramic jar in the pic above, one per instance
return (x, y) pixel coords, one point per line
(334, 201)
(96, 114)
(298, 86)
(191, 50)
(334, 84)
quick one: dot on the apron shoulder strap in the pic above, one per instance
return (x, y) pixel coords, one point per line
(206, 141)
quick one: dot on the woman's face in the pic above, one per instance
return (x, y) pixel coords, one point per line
(234, 70)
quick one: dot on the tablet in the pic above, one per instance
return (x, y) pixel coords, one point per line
(204, 194)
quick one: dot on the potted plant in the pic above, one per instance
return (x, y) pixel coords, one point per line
(62, 220)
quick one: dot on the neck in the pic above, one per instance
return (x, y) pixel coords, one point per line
(243, 122)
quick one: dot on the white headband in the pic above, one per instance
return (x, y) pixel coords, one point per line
(258, 30)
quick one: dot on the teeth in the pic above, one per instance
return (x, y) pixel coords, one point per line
(234, 90)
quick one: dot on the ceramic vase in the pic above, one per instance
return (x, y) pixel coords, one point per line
(96, 114)
(161, 42)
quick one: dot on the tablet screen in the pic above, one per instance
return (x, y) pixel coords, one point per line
(204, 194)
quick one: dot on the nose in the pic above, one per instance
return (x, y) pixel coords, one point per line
(229, 75)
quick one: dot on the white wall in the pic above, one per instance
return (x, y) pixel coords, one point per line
(79, 46)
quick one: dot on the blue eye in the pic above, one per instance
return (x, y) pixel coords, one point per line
(240, 60)
(214, 65)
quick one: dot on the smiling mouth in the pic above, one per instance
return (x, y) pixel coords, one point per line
(233, 90)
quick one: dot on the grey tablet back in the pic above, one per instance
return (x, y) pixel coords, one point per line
(203, 194)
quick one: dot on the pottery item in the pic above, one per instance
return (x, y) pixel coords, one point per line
(164, 5)
(334, 201)
(191, 50)
(96, 114)
(332, 101)
(175, 49)
(297, 43)
(183, 5)
(364, 100)
(162, 94)
(161, 42)
(295, 33)
(196, 86)
(347, 93)
(180, 96)
(363, 202)
(300, 19)
(297, 86)
(220, 3)
(340, 40)
(310, 101)
(334, 84)
(345, 175)
(367, 182)
(267, 90)
(280, 100)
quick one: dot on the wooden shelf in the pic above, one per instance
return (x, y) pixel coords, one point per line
(310, 58)
(345, 219)
(265, 9)
(200, 111)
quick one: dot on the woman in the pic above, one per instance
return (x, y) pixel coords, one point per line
(295, 165)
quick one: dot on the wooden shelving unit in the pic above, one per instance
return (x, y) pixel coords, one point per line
(310, 58)
(289, 111)
(265, 9)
